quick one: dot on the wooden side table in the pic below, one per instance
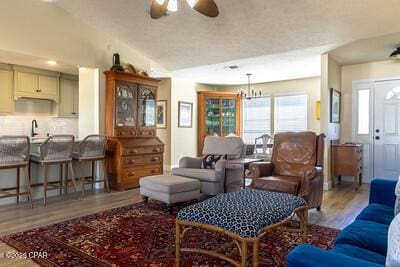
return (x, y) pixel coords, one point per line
(347, 160)
(242, 164)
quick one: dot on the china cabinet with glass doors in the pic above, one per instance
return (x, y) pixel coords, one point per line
(133, 148)
(218, 115)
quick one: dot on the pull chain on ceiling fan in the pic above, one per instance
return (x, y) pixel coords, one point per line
(159, 8)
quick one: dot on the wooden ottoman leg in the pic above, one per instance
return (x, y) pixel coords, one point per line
(244, 253)
(256, 260)
(302, 213)
(145, 199)
(177, 244)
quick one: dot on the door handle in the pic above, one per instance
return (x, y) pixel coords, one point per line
(377, 138)
(377, 130)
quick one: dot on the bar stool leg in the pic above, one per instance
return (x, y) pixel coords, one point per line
(73, 177)
(61, 178)
(93, 168)
(105, 174)
(45, 168)
(66, 179)
(28, 185)
(18, 184)
(82, 170)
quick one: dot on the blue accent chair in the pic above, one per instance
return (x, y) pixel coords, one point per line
(363, 242)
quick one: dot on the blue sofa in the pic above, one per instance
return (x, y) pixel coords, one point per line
(363, 242)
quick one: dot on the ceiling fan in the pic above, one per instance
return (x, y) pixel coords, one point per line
(160, 8)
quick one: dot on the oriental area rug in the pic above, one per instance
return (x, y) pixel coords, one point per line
(144, 235)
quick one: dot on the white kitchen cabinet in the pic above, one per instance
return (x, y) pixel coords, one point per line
(69, 98)
(33, 85)
(6, 92)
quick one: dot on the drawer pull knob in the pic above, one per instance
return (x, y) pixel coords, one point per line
(131, 174)
(133, 151)
(155, 159)
(131, 161)
(155, 171)
(156, 150)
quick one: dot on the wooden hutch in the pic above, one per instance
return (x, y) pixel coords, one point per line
(133, 148)
(218, 114)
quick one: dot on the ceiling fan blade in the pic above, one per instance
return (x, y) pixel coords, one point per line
(157, 10)
(207, 7)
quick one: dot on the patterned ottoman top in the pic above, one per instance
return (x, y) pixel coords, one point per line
(244, 212)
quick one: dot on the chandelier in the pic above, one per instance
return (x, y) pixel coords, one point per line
(251, 93)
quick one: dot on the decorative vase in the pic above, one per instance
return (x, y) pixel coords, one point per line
(116, 63)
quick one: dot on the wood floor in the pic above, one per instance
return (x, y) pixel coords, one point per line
(339, 208)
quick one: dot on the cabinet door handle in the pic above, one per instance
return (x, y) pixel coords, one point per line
(133, 151)
(38, 91)
(73, 113)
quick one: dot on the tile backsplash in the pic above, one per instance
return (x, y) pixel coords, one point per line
(21, 125)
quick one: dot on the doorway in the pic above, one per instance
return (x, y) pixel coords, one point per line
(376, 124)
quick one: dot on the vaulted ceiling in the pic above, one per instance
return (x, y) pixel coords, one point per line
(255, 33)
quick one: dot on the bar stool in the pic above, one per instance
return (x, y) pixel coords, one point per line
(14, 154)
(91, 150)
(55, 150)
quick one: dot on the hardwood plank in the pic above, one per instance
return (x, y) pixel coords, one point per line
(340, 206)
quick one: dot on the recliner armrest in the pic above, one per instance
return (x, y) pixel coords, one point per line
(190, 162)
(261, 169)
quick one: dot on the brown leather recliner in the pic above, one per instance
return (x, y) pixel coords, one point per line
(296, 167)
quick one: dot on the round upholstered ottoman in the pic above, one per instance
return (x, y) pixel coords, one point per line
(169, 189)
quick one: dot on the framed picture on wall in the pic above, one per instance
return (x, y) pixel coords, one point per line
(185, 114)
(162, 114)
(335, 106)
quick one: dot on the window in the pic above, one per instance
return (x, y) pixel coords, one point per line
(256, 118)
(363, 112)
(290, 113)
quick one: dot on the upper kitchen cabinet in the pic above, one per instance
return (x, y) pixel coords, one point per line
(34, 83)
(6, 89)
(69, 97)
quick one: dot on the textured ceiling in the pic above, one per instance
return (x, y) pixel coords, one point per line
(244, 30)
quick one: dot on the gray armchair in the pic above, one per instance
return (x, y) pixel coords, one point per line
(218, 180)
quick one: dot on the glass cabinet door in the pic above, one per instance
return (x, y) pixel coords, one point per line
(147, 107)
(212, 116)
(125, 105)
(228, 116)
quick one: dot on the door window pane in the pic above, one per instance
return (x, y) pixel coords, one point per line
(363, 112)
(290, 113)
(256, 118)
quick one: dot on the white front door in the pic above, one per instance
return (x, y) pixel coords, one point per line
(386, 129)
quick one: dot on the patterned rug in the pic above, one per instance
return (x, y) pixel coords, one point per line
(140, 235)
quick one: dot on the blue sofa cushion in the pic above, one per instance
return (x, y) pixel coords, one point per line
(377, 213)
(365, 234)
(360, 253)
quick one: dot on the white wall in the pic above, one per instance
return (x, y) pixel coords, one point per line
(183, 140)
(330, 78)
(164, 93)
(89, 122)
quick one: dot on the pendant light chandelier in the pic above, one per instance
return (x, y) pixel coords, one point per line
(251, 93)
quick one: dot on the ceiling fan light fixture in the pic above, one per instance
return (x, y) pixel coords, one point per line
(192, 3)
(395, 53)
(172, 5)
(160, 2)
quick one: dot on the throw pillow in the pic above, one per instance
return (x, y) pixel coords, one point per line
(210, 160)
(393, 252)
(397, 203)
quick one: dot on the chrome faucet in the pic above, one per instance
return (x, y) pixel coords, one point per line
(34, 125)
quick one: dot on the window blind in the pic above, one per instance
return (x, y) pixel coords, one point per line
(290, 113)
(256, 118)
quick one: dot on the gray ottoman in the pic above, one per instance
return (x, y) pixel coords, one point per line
(169, 189)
